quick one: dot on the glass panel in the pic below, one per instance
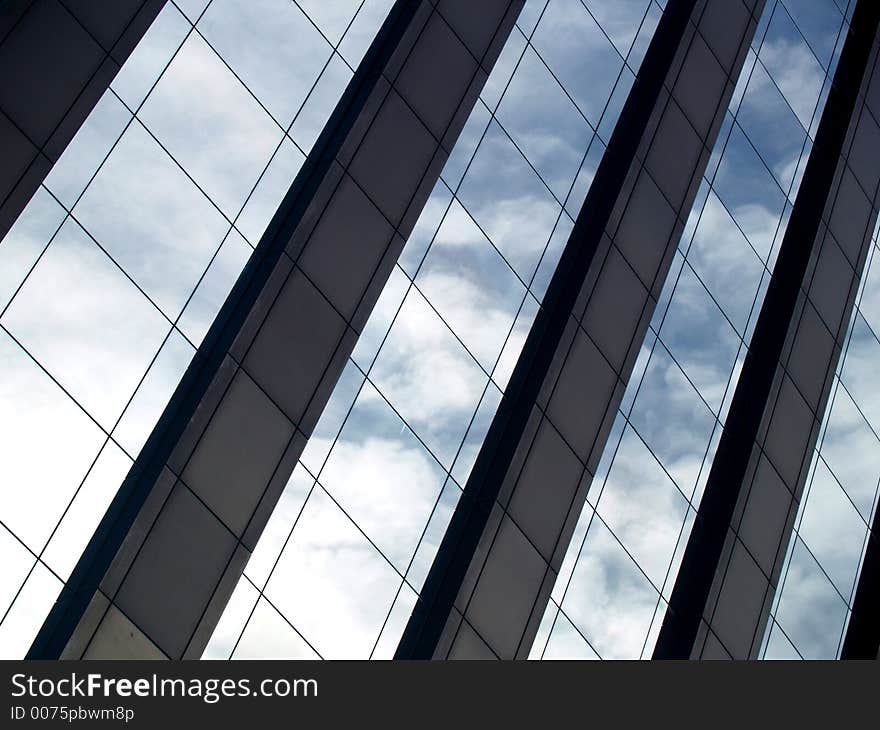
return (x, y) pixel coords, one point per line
(609, 599)
(269, 636)
(430, 379)
(809, 610)
(92, 498)
(157, 225)
(397, 482)
(566, 642)
(26, 241)
(225, 139)
(472, 287)
(98, 336)
(115, 271)
(813, 602)
(676, 401)
(643, 507)
(26, 615)
(509, 202)
(456, 311)
(348, 586)
(254, 39)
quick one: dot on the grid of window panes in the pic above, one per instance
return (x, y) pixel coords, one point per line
(812, 605)
(338, 568)
(611, 595)
(117, 267)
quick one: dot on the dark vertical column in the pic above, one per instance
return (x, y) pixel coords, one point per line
(166, 557)
(721, 600)
(491, 580)
(862, 640)
(57, 57)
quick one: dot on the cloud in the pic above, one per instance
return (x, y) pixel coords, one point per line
(383, 478)
(471, 287)
(565, 642)
(331, 584)
(225, 139)
(608, 598)
(578, 53)
(26, 616)
(509, 201)
(848, 433)
(544, 123)
(810, 611)
(86, 324)
(429, 377)
(643, 508)
(672, 420)
(156, 224)
(699, 337)
(254, 37)
(793, 66)
(833, 530)
(771, 126)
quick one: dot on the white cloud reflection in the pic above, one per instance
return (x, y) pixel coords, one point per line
(736, 233)
(79, 315)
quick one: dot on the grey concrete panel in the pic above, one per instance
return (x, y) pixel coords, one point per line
(813, 342)
(723, 26)
(104, 18)
(480, 555)
(48, 81)
(477, 32)
(739, 604)
(297, 340)
(572, 407)
(468, 645)
(10, 13)
(851, 212)
(118, 638)
(135, 537)
(549, 481)
(866, 139)
(387, 175)
(238, 453)
(674, 154)
(19, 152)
(615, 307)
(434, 91)
(831, 282)
(640, 238)
(92, 617)
(346, 247)
(765, 515)
(714, 649)
(700, 72)
(214, 609)
(503, 598)
(175, 573)
(788, 433)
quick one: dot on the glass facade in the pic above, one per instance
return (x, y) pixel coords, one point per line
(611, 595)
(812, 605)
(340, 564)
(113, 273)
(116, 269)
